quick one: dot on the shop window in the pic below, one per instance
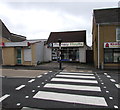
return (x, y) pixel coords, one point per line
(108, 55)
(112, 56)
(118, 33)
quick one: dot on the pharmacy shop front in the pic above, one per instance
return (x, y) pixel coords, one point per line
(70, 52)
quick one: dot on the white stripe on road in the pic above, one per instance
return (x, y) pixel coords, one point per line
(20, 87)
(72, 87)
(4, 97)
(105, 74)
(112, 80)
(74, 80)
(18, 104)
(74, 76)
(117, 85)
(31, 80)
(108, 76)
(70, 98)
(76, 73)
(39, 76)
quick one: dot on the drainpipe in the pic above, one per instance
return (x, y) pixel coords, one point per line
(98, 46)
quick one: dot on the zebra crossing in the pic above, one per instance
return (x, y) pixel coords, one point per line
(64, 89)
(67, 87)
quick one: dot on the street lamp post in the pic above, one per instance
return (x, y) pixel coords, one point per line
(60, 63)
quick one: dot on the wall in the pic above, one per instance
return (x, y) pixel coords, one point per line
(107, 34)
(9, 59)
(82, 54)
(0, 42)
(39, 51)
(33, 49)
(112, 66)
(95, 42)
(89, 56)
(0, 28)
(47, 54)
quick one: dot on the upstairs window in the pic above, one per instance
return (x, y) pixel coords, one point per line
(118, 33)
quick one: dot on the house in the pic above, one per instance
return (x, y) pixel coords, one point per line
(106, 38)
(16, 50)
(73, 46)
(6, 36)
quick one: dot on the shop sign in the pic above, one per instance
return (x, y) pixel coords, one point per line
(112, 45)
(2, 44)
(70, 44)
(16, 44)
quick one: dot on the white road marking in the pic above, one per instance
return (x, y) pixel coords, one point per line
(76, 73)
(115, 106)
(4, 97)
(117, 85)
(105, 73)
(26, 97)
(18, 104)
(73, 87)
(33, 90)
(107, 91)
(38, 86)
(70, 98)
(30, 81)
(74, 80)
(45, 73)
(74, 76)
(112, 80)
(39, 76)
(108, 76)
(20, 87)
(104, 87)
(111, 98)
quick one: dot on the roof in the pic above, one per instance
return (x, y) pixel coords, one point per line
(17, 38)
(32, 41)
(68, 36)
(109, 15)
(10, 36)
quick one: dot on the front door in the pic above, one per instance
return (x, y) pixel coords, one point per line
(19, 56)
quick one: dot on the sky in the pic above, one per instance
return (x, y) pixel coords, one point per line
(35, 19)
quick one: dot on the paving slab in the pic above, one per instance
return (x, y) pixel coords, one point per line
(21, 73)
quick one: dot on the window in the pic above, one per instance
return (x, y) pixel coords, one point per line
(118, 33)
(27, 54)
(112, 56)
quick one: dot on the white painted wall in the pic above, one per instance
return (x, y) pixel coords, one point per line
(82, 55)
(47, 54)
(39, 51)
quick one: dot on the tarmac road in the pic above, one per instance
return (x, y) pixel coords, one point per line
(62, 90)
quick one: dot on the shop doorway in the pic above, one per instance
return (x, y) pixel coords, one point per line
(19, 56)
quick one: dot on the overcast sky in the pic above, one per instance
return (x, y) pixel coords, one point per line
(35, 19)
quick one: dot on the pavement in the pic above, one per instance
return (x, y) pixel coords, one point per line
(33, 71)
